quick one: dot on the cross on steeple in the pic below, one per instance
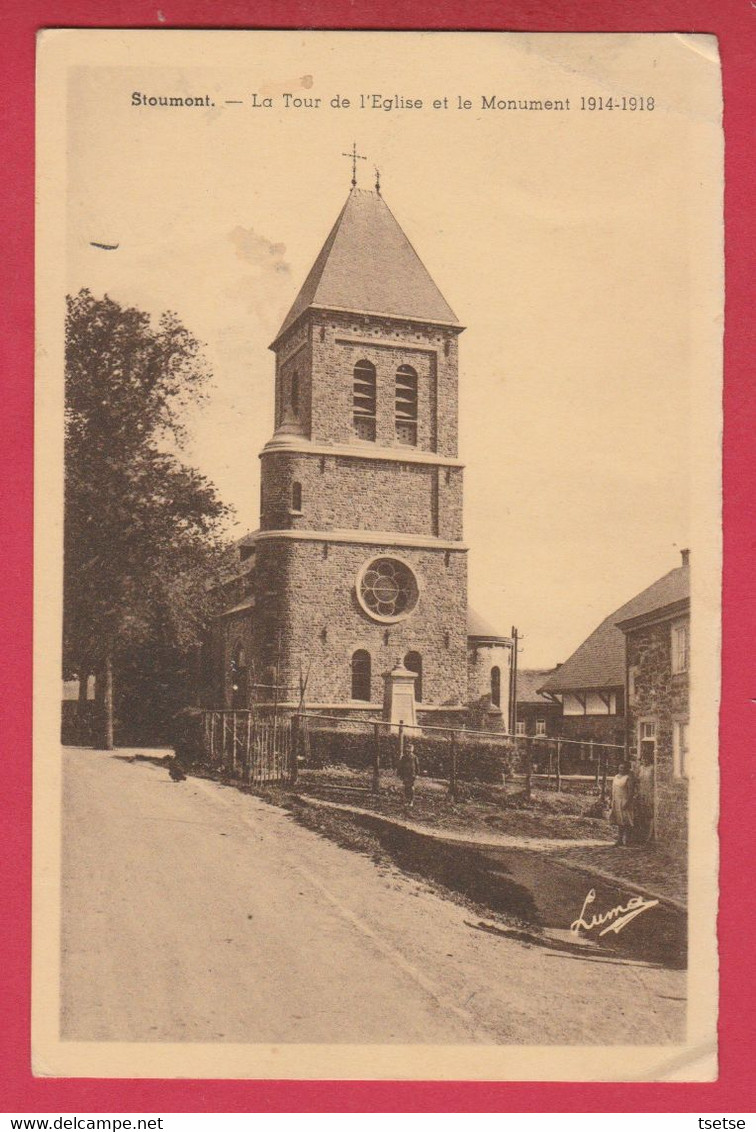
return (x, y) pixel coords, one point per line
(378, 180)
(355, 156)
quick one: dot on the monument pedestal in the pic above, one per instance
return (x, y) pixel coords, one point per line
(399, 699)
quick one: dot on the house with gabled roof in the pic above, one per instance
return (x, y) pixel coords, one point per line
(537, 714)
(590, 685)
(657, 665)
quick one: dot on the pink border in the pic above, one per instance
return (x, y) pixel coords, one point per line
(733, 22)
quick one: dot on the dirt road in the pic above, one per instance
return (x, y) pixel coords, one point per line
(193, 912)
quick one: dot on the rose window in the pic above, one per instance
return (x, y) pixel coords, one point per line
(387, 589)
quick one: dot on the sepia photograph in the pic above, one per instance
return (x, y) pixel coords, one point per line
(378, 438)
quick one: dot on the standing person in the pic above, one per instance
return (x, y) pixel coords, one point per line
(646, 772)
(408, 769)
(622, 802)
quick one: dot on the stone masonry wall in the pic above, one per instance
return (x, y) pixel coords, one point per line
(661, 696)
(295, 357)
(338, 341)
(480, 661)
(349, 493)
(236, 631)
(307, 616)
(307, 592)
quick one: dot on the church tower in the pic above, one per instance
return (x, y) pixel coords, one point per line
(359, 559)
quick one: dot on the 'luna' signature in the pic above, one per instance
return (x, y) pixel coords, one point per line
(615, 919)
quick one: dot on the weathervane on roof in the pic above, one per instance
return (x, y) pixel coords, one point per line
(378, 180)
(355, 156)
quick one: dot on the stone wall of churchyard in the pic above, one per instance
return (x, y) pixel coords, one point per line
(662, 696)
(306, 594)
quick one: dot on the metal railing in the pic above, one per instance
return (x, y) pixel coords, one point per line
(459, 753)
(249, 747)
(258, 746)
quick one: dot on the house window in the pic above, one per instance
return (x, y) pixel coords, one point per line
(647, 740)
(406, 405)
(414, 662)
(294, 395)
(520, 727)
(540, 727)
(296, 496)
(680, 748)
(361, 675)
(363, 403)
(680, 648)
(496, 686)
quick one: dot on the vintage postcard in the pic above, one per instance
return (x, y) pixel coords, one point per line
(377, 555)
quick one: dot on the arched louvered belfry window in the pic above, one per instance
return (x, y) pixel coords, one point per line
(294, 393)
(361, 675)
(414, 662)
(496, 686)
(406, 405)
(363, 400)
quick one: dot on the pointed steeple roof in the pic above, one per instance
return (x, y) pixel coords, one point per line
(367, 264)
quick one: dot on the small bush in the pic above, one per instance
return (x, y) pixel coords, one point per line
(354, 747)
(478, 758)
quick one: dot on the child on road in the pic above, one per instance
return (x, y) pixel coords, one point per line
(408, 769)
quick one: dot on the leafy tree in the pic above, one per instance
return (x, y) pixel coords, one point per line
(142, 529)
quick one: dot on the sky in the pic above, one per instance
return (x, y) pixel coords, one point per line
(567, 243)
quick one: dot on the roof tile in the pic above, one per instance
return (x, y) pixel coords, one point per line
(529, 680)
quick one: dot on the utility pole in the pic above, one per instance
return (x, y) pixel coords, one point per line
(513, 682)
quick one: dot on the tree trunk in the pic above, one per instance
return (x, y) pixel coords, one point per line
(195, 692)
(82, 728)
(104, 695)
